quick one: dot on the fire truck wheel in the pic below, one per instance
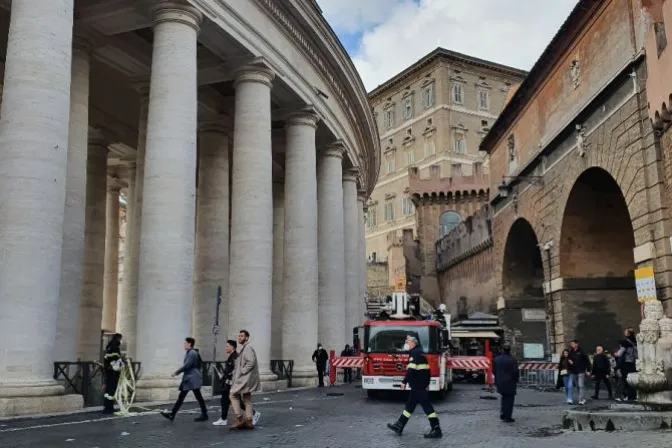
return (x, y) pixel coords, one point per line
(373, 394)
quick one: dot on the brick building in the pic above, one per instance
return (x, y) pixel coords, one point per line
(441, 203)
(577, 193)
(434, 113)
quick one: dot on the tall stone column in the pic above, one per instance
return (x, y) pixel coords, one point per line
(300, 308)
(124, 290)
(34, 127)
(72, 255)
(361, 213)
(278, 272)
(91, 306)
(111, 259)
(128, 307)
(251, 269)
(211, 262)
(352, 266)
(331, 252)
(165, 282)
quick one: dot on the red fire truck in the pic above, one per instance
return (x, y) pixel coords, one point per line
(382, 346)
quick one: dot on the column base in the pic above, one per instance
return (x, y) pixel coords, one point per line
(273, 385)
(38, 398)
(305, 377)
(161, 389)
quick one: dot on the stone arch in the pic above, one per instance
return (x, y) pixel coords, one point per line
(596, 262)
(523, 269)
(448, 220)
(596, 237)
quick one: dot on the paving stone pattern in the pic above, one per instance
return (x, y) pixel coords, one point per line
(312, 419)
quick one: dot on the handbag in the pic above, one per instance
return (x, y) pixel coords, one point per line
(563, 372)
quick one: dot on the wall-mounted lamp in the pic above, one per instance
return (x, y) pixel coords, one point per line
(503, 188)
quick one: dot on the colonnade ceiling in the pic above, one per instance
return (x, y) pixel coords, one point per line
(122, 36)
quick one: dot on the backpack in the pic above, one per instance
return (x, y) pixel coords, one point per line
(630, 355)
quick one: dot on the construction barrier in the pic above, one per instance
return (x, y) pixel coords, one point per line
(540, 375)
(342, 362)
(454, 362)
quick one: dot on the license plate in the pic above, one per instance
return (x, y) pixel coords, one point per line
(398, 378)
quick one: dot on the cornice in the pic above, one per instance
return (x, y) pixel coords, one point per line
(339, 73)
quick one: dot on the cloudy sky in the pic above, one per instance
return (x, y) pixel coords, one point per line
(385, 36)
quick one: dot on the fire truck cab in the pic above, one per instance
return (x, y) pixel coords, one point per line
(382, 345)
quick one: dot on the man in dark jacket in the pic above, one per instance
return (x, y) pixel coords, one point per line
(320, 358)
(505, 369)
(191, 381)
(627, 359)
(112, 364)
(226, 380)
(601, 372)
(417, 379)
(579, 368)
(347, 372)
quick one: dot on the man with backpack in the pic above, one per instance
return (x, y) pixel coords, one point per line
(627, 358)
(191, 381)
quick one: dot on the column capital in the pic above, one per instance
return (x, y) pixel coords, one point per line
(221, 124)
(361, 196)
(82, 40)
(141, 85)
(307, 116)
(257, 71)
(114, 185)
(176, 11)
(98, 137)
(350, 175)
(335, 149)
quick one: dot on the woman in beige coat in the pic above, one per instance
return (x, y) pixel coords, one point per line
(245, 381)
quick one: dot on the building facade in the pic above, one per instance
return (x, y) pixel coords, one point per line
(434, 113)
(241, 137)
(579, 195)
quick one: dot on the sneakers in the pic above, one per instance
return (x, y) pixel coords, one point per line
(570, 401)
(220, 422)
(582, 402)
(255, 417)
(202, 418)
(169, 415)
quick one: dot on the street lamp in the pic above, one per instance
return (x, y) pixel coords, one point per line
(503, 189)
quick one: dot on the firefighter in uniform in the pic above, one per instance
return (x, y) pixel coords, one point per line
(417, 378)
(112, 364)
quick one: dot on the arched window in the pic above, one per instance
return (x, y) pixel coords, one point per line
(448, 221)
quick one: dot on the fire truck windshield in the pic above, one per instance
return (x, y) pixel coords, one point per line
(391, 338)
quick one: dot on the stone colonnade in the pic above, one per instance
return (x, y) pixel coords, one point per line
(291, 261)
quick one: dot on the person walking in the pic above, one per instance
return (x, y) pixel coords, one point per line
(347, 372)
(417, 378)
(579, 368)
(320, 358)
(627, 359)
(601, 372)
(191, 381)
(245, 381)
(505, 369)
(112, 365)
(226, 381)
(564, 377)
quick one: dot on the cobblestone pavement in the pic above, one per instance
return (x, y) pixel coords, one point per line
(323, 418)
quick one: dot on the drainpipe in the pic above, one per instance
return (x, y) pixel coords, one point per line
(547, 248)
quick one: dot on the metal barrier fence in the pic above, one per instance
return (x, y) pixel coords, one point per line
(85, 379)
(283, 368)
(538, 375)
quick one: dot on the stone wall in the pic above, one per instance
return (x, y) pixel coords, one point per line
(377, 279)
(465, 266)
(433, 196)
